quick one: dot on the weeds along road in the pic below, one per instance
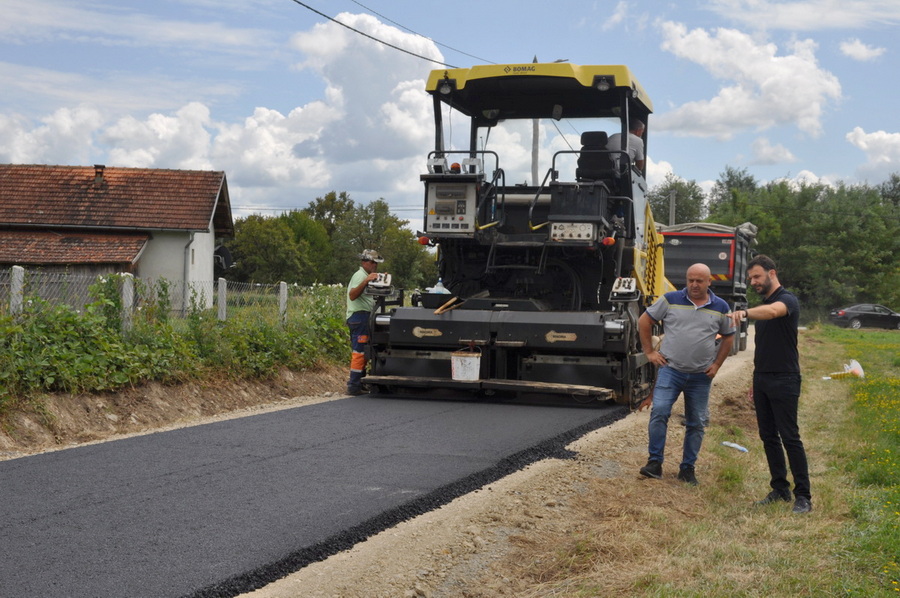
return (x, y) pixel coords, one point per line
(226, 507)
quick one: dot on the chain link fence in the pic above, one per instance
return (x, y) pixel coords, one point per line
(224, 300)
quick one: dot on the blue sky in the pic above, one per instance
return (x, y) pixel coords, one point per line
(291, 105)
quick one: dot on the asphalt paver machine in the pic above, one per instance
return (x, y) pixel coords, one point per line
(549, 265)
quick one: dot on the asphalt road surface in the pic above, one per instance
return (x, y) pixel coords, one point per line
(227, 507)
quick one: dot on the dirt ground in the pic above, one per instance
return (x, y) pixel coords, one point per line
(491, 542)
(68, 420)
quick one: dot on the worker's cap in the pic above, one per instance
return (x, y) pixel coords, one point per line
(370, 255)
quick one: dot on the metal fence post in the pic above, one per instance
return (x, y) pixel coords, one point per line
(127, 301)
(223, 306)
(282, 302)
(17, 290)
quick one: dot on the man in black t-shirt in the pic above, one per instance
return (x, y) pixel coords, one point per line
(776, 383)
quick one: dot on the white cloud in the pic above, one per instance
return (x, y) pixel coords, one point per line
(808, 15)
(115, 25)
(369, 132)
(766, 153)
(374, 82)
(658, 171)
(64, 136)
(764, 90)
(180, 141)
(807, 177)
(618, 16)
(882, 151)
(39, 90)
(857, 50)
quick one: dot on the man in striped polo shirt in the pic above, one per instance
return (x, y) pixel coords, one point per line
(688, 360)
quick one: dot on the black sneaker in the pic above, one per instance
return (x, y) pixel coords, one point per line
(653, 469)
(802, 505)
(686, 475)
(774, 496)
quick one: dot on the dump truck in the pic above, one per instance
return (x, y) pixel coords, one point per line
(548, 263)
(725, 249)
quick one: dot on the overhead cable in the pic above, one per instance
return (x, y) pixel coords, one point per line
(384, 18)
(374, 38)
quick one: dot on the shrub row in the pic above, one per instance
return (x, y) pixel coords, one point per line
(51, 348)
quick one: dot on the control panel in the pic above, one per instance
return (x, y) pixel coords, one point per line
(451, 206)
(573, 231)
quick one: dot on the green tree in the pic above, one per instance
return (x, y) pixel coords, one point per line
(311, 236)
(890, 191)
(265, 251)
(688, 197)
(331, 210)
(372, 226)
(833, 245)
(729, 187)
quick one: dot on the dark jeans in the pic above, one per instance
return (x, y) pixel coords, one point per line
(776, 397)
(358, 323)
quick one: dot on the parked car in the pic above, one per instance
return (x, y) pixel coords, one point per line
(865, 314)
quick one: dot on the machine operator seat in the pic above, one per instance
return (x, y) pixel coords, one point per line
(594, 163)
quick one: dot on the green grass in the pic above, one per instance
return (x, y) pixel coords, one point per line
(874, 540)
(664, 539)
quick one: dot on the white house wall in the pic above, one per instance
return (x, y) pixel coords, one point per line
(164, 257)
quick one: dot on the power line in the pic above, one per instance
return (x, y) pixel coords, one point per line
(373, 38)
(419, 34)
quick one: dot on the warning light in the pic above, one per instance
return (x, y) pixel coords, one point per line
(424, 240)
(607, 241)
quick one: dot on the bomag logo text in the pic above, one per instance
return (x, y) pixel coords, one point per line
(520, 69)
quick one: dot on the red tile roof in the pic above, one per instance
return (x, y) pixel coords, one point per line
(29, 247)
(96, 197)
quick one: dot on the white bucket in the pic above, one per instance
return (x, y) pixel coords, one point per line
(465, 365)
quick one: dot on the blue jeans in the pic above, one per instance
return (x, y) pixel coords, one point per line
(669, 384)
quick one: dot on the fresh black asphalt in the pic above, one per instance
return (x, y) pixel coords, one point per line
(227, 507)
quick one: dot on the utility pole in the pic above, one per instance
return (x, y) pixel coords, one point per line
(535, 133)
(671, 207)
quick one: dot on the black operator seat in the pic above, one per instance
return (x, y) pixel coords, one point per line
(587, 199)
(594, 162)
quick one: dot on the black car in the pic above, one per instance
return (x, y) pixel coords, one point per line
(865, 314)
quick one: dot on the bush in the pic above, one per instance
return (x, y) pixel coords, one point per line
(51, 348)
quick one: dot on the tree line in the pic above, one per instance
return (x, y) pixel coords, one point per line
(320, 244)
(835, 244)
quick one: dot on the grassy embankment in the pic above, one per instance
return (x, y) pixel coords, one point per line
(673, 540)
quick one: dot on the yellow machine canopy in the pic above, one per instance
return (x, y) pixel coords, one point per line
(489, 93)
